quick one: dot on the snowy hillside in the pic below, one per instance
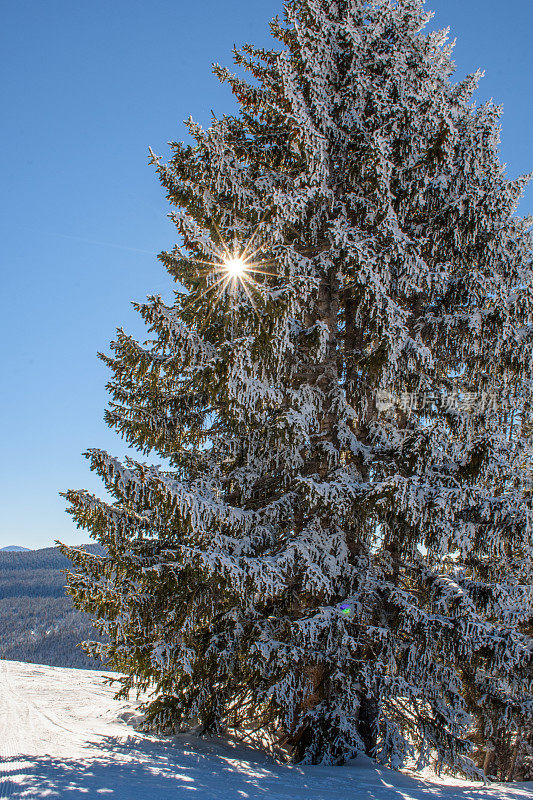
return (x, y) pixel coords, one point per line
(63, 735)
(38, 621)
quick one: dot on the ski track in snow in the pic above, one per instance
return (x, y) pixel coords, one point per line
(62, 735)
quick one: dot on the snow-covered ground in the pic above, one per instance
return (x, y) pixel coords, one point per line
(63, 735)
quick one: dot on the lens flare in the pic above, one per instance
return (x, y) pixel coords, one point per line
(346, 609)
(235, 271)
(235, 267)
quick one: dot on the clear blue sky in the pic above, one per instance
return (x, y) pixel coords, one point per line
(87, 87)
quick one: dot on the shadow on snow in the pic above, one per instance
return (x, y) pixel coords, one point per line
(200, 769)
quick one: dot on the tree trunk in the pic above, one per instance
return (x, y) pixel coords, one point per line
(514, 757)
(302, 738)
(489, 761)
(368, 717)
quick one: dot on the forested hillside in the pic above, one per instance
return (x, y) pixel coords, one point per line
(38, 622)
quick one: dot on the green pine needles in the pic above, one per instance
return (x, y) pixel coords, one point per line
(336, 553)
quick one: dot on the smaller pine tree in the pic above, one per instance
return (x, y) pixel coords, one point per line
(338, 549)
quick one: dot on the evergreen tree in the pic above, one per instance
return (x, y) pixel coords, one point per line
(337, 549)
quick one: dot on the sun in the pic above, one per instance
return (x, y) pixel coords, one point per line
(232, 270)
(235, 267)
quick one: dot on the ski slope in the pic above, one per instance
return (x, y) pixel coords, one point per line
(62, 735)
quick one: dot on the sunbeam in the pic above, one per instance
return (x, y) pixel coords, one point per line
(234, 268)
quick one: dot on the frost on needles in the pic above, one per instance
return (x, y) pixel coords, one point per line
(336, 554)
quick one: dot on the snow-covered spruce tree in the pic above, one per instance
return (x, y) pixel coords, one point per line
(338, 548)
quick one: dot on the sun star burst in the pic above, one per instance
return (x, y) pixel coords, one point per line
(235, 267)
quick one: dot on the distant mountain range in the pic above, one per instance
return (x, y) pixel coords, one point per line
(13, 548)
(38, 621)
